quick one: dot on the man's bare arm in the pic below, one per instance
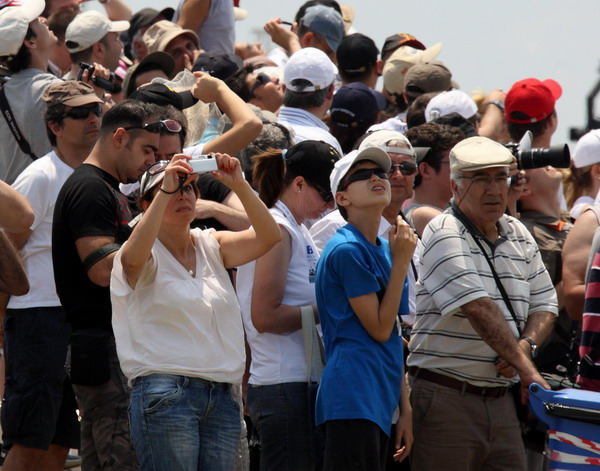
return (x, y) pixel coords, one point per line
(99, 272)
(488, 321)
(13, 279)
(193, 14)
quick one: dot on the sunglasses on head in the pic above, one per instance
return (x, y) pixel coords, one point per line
(405, 168)
(82, 112)
(169, 125)
(261, 79)
(365, 174)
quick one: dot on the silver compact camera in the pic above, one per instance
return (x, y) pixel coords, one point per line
(203, 164)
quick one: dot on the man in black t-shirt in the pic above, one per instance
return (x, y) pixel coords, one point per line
(90, 222)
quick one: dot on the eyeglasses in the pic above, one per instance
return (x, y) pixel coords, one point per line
(82, 112)
(486, 180)
(405, 168)
(365, 174)
(261, 79)
(325, 195)
(169, 125)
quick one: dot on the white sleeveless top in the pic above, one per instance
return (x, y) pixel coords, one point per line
(174, 323)
(279, 358)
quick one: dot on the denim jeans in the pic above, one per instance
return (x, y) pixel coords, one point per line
(184, 423)
(280, 414)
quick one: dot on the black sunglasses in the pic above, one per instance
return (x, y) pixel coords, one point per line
(405, 168)
(365, 174)
(82, 112)
(169, 125)
(261, 79)
(325, 195)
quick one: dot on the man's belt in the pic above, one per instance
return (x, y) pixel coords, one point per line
(457, 384)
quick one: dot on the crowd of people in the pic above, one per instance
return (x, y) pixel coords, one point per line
(325, 256)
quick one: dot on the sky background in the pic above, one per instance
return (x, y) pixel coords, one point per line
(486, 44)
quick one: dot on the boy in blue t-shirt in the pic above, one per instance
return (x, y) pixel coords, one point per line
(360, 278)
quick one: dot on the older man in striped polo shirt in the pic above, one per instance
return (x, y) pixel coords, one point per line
(484, 303)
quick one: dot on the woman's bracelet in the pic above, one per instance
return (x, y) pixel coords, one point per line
(168, 192)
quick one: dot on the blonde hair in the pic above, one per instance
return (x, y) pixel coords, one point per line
(577, 182)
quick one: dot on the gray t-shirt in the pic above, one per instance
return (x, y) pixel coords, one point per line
(23, 93)
(217, 33)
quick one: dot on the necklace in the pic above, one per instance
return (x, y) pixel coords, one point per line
(193, 260)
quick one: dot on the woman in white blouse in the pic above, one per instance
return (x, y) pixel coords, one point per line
(177, 322)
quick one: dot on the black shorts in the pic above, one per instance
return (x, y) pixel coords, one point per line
(39, 407)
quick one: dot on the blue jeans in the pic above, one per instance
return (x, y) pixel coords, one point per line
(183, 423)
(280, 414)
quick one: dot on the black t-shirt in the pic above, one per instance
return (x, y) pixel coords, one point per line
(213, 190)
(89, 204)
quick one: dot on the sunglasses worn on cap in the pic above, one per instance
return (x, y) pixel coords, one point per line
(82, 112)
(261, 79)
(169, 125)
(405, 168)
(365, 174)
(147, 181)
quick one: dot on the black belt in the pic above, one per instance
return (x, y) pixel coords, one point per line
(457, 384)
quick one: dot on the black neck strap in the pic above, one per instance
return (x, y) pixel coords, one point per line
(13, 126)
(477, 236)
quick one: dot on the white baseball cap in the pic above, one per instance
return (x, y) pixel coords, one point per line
(15, 16)
(90, 27)
(452, 101)
(341, 167)
(587, 150)
(309, 64)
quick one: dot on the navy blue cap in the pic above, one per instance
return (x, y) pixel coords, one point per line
(354, 104)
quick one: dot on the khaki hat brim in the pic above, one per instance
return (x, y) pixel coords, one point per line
(82, 100)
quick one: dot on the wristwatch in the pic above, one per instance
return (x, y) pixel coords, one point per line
(532, 344)
(497, 103)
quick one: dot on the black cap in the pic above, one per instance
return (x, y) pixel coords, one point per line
(220, 65)
(160, 94)
(394, 41)
(355, 53)
(146, 16)
(313, 160)
(153, 61)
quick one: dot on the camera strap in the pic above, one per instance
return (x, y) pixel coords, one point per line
(13, 126)
(469, 227)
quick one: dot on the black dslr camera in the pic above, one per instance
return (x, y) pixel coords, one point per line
(558, 156)
(107, 84)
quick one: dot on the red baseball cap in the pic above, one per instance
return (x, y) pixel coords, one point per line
(531, 97)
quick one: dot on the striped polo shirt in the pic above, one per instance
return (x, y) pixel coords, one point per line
(454, 272)
(589, 375)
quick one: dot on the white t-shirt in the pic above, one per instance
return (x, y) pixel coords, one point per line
(175, 323)
(280, 358)
(40, 184)
(324, 229)
(580, 204)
